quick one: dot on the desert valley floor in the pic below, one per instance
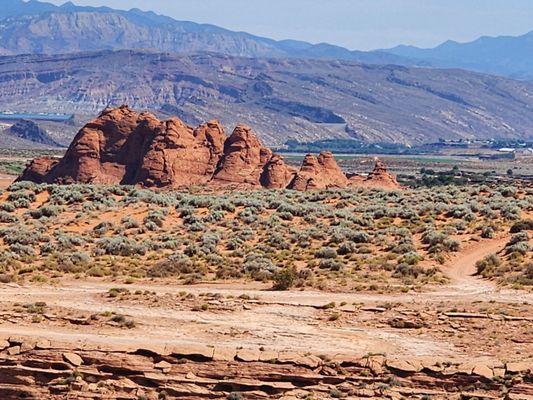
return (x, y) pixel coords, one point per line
(147, 330)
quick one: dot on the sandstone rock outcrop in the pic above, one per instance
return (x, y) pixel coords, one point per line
(380, 177)
(179, 156)
(277, 174)
(320, 172)
(116, 371)
(244, 159)
(38, 169)
(122, 146)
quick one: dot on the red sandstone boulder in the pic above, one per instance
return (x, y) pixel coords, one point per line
(319, 173)
(213, 136)
(37, 170)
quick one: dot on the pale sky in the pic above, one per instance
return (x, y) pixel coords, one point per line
(355, 24)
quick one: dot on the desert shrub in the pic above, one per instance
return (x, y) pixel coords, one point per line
(209, 243)
(22, 249)
(293, 210)
(519, 237)
(487, 232)
(20, 235)
(411, 258)
(522, 225)
(215, 216)
(463, 212)
(5, 217)
(129, 223)
(102, 228)
(120, 246)
(433, 237)
(45, 211)
(330, 264)
(154, 220)
(21, 196)
(507, 191)
(488, 265)
(278, 241)
(451, 245)
(347, 248)
(68, 242)
(258, 262)
(7, 207)
(248, 215)
(406, 270)
(164, 199)
(326, 252)
(284, 278)
(73, 262)
(528, 272)
(73, 194)
(510, 212)
(340, 234)
(174, 265)
(521, 248)
(403, 247)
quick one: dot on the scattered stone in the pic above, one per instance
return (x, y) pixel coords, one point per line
(163, 366)
(401, 365)
(73, 359)
(14, 350)
(484, 371)
(518, 367)
(43, 344)
(248, 355)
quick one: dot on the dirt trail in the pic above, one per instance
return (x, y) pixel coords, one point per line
(462, 268)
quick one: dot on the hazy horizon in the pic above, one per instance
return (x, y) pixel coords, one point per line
(355, 24)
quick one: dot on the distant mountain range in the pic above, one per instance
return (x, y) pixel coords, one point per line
(282, 99)
(38, 27)
(74, 59)
(505, 55)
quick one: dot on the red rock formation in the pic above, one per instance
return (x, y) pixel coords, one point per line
(124, 147)
(319, 173)
(107, 150)
(178, 156)
(378, 178)
(277, 174)
(38, 169)
(244, 159)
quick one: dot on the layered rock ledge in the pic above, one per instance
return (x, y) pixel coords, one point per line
(37, 368)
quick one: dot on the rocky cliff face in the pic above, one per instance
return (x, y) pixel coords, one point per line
(122, 146)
